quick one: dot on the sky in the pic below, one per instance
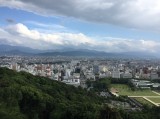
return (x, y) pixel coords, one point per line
(102, 25)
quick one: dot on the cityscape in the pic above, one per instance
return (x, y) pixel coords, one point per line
(79, 59)
(77, 71)
(73, 70)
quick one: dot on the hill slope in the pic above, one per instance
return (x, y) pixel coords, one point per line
(24, 96)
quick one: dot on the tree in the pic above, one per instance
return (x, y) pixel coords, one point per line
(102, 84)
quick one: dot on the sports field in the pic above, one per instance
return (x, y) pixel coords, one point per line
(143, 101)
(125, 90)
(155, 99)
(144, 96)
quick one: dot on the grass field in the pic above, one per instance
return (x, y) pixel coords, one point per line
(125, 90)
(155, 99)
(143, 101)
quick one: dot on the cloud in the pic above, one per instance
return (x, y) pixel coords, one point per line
(44, 25)
(47, 27)
(20, 34)
(139, 14)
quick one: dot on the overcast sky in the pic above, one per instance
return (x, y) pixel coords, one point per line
(104, 25)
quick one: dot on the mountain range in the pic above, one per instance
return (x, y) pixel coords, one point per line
(26, 51)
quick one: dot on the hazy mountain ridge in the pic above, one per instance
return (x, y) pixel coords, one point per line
(26, 51)
(10, 49)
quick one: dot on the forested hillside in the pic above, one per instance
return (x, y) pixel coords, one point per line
(24, 96)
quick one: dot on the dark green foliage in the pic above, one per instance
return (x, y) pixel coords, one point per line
(119, 81)
(24, 96)
(102, 84)
(109, 113)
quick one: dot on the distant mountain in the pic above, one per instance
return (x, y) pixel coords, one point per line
(13, 49)
(79, 53)
(25, 51)
(20, 50)
(94, 53)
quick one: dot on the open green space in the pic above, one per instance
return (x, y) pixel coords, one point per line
(155, 99)
(143, 101)
(126, 90)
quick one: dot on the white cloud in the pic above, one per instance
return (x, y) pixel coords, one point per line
(23, 31)
(48, 25)
(32, 38)
(19, 34)
(140, 14)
